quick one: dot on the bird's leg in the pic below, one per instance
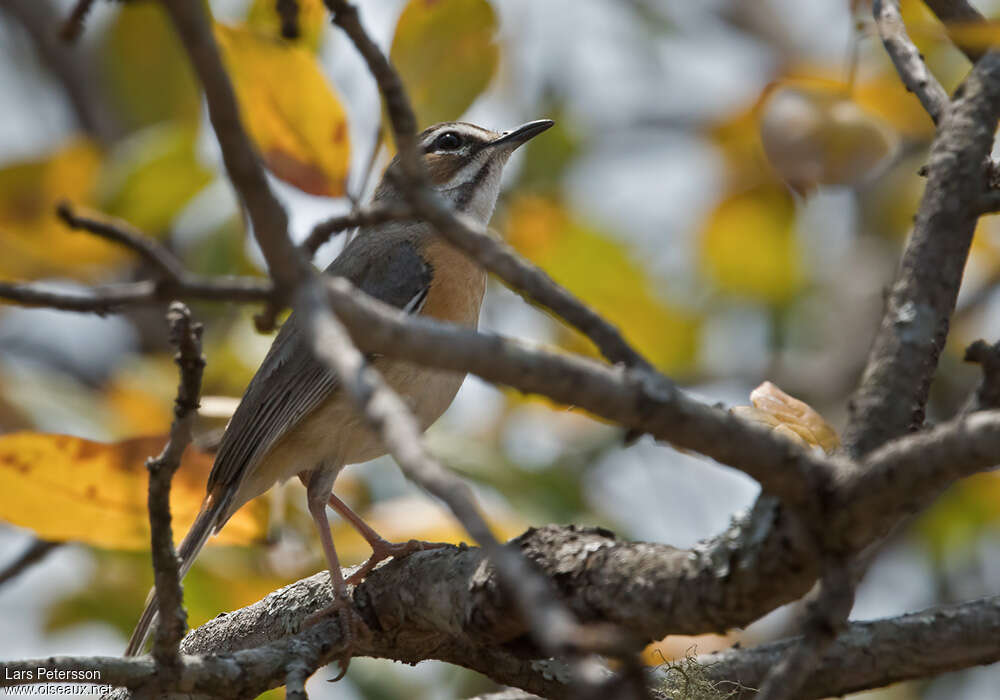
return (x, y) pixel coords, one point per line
(317, 488)
(381, 548)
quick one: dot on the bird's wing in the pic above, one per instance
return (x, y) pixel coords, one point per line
(291, 382)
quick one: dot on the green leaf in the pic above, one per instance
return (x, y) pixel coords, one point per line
(148, 71)
(151, 176)
(598, 269)
(446, 53)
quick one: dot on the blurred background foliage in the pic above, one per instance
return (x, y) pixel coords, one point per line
(730, 182)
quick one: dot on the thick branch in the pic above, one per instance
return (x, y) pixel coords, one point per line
(958, 12)
(879, 652)
(457, 613)
(904, 356)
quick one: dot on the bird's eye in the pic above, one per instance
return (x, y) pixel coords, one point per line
(448, 141)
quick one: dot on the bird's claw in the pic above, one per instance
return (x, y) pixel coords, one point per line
(351, 624)
(383, 550)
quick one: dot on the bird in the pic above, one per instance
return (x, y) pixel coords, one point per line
(295, 420)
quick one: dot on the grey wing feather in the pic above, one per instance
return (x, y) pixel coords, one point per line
(291, 382)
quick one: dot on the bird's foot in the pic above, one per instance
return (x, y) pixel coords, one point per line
(351, 624)
(382, 549)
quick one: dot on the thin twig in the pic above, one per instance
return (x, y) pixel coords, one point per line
(288, 13)
(116, 297)
(987, 394)
(186, 337)
(826, 617)
(36, 551)
(366, 174)
(72, 66)
(907, 59)
(73, 25)
(324, 230)
(121, 232)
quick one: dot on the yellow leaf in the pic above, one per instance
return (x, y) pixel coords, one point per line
(33, 242)
(954, 526)
(794, 419)
(446, 54)
(885, 97)
(738, 137)
(749, 247)
(596, 268)
(67, 488)
(291, 111)
(139, 395)
(263, 18)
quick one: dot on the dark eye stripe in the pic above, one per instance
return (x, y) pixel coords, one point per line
(469, 188)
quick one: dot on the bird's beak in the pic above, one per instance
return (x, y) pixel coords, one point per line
(523, 133)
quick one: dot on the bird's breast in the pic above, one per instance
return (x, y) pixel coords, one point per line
(457, 285)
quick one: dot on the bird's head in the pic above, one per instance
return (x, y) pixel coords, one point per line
(464, 163)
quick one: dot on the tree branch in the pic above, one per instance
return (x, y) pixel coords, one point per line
(324, 230)
(493, 255)
(73, 25)
(186, 337)
(122, 233)
(74, 71)
(904, 356)
(958, 12)
(552, 626)
(907, 59)
(290, 271)
(827, 609)
(268, 217)
(456, 612)
(987, 395)
(35, 551)
(877, 653)
(115, 297)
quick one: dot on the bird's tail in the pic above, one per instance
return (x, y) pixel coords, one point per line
(191, 545)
